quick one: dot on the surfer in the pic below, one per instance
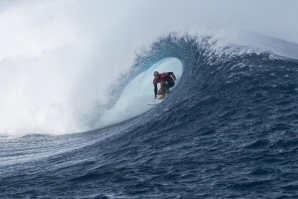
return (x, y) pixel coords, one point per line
(166, 80)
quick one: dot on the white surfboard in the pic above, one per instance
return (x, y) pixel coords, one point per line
(154, 102)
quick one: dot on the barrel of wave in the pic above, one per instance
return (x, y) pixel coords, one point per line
(133, 100)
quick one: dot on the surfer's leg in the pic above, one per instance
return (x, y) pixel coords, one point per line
(168, 85)
(171, 84)
(159, 92)
(162, 91)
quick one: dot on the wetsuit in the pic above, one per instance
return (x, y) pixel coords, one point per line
(167, 78)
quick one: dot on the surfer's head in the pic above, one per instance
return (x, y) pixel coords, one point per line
(156, 75)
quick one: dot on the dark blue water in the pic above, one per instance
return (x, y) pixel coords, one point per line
(228, 130)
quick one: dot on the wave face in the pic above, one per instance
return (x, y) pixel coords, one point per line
(228, 129)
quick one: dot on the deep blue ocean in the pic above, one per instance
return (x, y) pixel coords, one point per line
(227, 130)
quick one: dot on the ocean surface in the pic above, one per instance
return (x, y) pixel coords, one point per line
(227, 130)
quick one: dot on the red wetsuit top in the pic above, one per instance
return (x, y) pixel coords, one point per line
(163, 77)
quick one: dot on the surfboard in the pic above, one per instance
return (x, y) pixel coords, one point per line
(154, 102)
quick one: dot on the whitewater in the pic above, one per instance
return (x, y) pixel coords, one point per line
(75, 79)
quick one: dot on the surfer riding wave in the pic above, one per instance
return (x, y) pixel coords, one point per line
(166, 80)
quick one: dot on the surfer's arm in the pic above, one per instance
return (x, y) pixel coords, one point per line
(173, 75)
